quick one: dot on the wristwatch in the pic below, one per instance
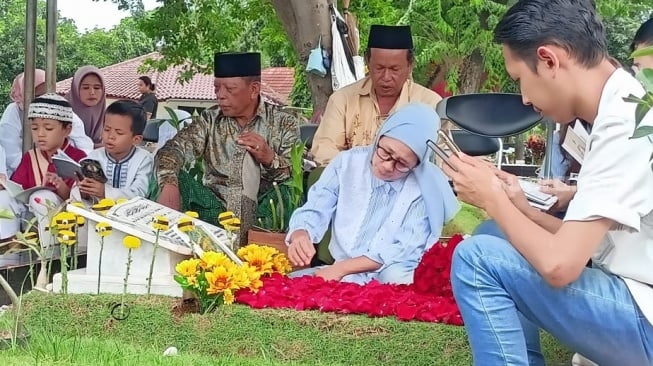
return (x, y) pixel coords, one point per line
(276, 162)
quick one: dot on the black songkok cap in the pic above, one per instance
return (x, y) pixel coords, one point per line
(390, 37)
(232, 64)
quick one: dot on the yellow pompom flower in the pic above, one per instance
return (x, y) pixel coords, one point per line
(78, 204)
(65, 220)
(80, 220)
(121, 200)
(192, 214)
(104, 205)
(30, 237)
(229, 221)
(160, 223)
(186, 224)
(210, 260)
(131, 242)
(66, 237)
(103, 229)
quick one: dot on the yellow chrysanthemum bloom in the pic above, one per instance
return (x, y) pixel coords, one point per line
(66, 237)
(131, 242)
(240, 278)
(258, 256)
(186, 224)
(219, 280)
(192, 214)
(228, 297)
(188, 267)
(103, 229)
(211, 259)
(281, 264)
(65, 220)
(254, 276)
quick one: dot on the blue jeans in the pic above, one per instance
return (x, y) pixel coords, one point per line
(497, 289)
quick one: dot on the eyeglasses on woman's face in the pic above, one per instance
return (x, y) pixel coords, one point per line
(399, 165)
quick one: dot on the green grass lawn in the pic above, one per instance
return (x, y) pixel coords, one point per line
(77, 330)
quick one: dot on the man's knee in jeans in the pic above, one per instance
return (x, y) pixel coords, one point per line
(489, 227)
(397, 273)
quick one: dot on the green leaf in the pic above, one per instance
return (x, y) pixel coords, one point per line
(181, 280)
(648, 51)
(645, 77)
(642, 131)
(633, 99)
(640, 112)
(6, 214)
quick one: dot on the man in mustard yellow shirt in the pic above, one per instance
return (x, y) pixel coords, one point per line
(354, 113)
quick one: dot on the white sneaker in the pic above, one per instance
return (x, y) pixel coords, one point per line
(580, 360)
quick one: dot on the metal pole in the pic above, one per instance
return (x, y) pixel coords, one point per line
(30, 64)
(51, 47)
(550, 129)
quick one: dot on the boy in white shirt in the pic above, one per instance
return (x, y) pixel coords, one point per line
(556, 50)
(127, 166)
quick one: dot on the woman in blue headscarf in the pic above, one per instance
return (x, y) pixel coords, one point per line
(387, 201)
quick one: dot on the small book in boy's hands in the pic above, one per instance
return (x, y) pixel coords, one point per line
(66, 167)
(16, 191)
(537, 198)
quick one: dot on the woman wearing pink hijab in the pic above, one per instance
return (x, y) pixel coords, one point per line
(88, 99)
(11, 123)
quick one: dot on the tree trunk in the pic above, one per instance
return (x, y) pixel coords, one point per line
(471, 73)
(304, 22)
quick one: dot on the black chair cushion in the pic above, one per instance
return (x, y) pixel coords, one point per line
(307, 132)
(151, 132)
(489, 114)
(475, 145)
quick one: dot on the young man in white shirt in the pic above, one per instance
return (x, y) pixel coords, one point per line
(556, 50)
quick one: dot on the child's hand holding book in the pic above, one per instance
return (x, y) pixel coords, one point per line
(92, 187)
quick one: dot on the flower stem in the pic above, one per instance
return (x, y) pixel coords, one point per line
(99, 269)
(64, 268)
(124, 285)
(31, 267)
(156, 246)
(73, 251)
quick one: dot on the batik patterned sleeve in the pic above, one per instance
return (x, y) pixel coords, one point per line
(187, 145)
(284, 135)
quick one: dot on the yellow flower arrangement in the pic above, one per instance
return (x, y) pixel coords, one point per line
(231, 224)
(103, 206)
(214, 278)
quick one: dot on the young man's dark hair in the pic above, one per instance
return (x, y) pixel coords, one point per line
(530, 24)
(644, 35)
(131, 109)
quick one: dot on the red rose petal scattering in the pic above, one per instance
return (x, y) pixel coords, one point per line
(428, 299)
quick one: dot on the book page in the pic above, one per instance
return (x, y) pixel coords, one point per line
(65, 166)
(575, 142)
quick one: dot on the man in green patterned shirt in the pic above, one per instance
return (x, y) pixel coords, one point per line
(244, 143)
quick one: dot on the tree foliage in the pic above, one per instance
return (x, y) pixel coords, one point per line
(74, 49)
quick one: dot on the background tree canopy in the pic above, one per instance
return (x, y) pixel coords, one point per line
(453, 38)
(74, 49)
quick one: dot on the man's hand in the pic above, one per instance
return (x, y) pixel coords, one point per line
(474, 180)
(514, 191)
(329, 273)
(557, 188)
(301, 249)
(170, 197)
(92, 187)
(256, 145)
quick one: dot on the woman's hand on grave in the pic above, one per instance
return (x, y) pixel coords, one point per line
(300, 248)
